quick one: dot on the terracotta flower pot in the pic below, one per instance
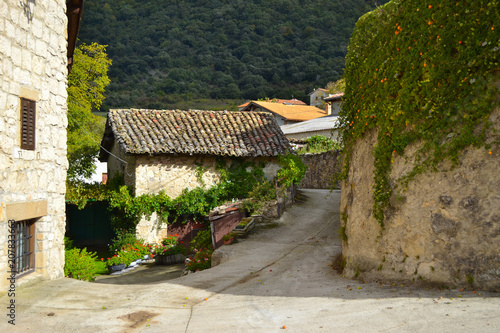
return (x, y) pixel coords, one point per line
(229, 241)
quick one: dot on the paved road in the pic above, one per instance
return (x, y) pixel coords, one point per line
(277, 279)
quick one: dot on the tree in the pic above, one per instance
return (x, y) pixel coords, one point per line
(86, 85)
(336, 87)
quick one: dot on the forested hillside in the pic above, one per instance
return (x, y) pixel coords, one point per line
(167, 51)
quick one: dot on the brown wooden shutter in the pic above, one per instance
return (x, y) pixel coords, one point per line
(28, 124)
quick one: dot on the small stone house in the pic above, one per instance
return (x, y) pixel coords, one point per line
(316, 96)
(333, 104)
(165, 149)
(37, 41)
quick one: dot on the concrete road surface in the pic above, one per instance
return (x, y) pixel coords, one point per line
(276, 280)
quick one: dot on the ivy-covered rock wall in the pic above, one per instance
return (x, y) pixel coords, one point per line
(420, 124)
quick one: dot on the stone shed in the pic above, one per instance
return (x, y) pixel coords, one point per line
(171, 149)
(37, 41)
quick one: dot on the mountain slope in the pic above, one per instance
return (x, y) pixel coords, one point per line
(170, 50)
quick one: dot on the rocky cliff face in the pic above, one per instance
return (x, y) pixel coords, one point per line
(443, 229)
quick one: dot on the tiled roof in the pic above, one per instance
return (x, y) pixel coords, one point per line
(318, 124)
(292, 101)
(334, 97)
(318, 89)
(194, 132)
(290, 112)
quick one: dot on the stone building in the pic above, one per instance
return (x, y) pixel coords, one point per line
(171, 149)
(37, 41)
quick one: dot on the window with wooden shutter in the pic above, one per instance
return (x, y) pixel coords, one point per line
(28, 124)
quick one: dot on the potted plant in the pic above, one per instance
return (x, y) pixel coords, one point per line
(170, 251)
(115, 263)
(246, 224)
(229, 238)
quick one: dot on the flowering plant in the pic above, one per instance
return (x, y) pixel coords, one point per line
(170, 245)
(229, 236)
(117, 259)
(137, 250)
(170, 240)
(201, 260)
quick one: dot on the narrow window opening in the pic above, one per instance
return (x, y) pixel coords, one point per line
(28, 124)
(25, 246)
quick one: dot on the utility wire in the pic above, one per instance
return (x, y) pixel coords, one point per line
(99, 144)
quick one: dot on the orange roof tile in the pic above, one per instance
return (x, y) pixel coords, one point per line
(290, 112)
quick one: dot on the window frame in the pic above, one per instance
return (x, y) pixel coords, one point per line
(28, 124)
(24, 247)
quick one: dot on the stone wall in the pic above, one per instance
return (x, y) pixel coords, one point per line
(444, 229)
(171, 173)
(33, 58)
(320, 170)
(121, 165)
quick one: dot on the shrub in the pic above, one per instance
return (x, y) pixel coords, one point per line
(201, 260)
(123, 238)
(229, 236)
(80, 264)
(292, 170)
(68, 243)
(319, 144)
(202, 240)
(170, 245)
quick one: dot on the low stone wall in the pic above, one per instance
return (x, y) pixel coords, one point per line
(444, 229)
(320, 170)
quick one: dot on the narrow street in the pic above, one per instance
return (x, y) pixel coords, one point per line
(278, 278)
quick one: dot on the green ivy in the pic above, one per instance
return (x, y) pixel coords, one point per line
(241, 180)
(319, 144)
(420, 72)
(292, 170)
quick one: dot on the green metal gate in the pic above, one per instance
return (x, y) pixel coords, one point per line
(89, 226)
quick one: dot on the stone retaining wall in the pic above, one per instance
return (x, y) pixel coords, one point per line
(320, 170)
(444, 229)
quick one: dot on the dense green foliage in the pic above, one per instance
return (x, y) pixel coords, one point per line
(319, 144)
(420, 72)
(170, 245)
(168, 51)
(202, 240)
(123, 238)
(80, 264)
(240, 180)
(86, 86)
(292, 170)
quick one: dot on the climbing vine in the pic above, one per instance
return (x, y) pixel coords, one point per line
(420, 72)
(239, 180)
